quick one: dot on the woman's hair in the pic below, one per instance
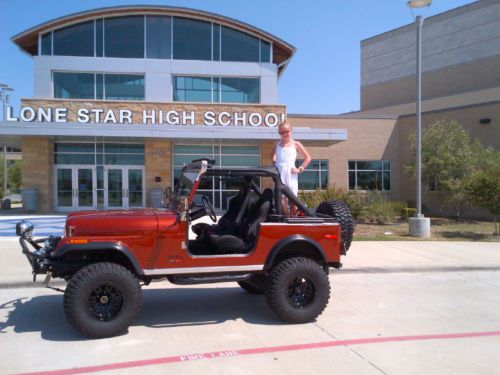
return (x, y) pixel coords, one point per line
(284, 123)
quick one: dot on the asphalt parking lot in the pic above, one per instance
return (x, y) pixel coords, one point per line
(396, 308)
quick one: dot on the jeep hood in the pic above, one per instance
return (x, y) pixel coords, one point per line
(117, 222)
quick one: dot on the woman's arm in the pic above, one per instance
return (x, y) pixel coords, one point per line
(305, 153)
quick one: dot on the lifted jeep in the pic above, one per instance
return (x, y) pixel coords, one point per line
(105, 255)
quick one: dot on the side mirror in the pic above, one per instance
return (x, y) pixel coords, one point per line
(24, 229)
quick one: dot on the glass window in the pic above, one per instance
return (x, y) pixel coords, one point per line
(92, 153)
(158, 37)
(315, 176)
(124, 87)
(192, 39)
(73, 85)
(74, 147)
(238, 150)
(124, 37)
(216, 89)
(123, 148)
(241, 161)
(123, 159)
(99, 90)
(75, 40)
(370, 175)
(216, 42)
(46, 44)
(195, 150)
(192, 89)
(99, 37)
(238, 46)
(265, 52)
(240, 90)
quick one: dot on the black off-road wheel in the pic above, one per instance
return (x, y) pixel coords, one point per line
(340, 211)
(255, 285)
(102, 300)
(298, 290)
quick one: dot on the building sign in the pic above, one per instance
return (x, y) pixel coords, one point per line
(153, 116)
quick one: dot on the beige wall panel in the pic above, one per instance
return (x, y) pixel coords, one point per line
(158, 163)
(37, 163)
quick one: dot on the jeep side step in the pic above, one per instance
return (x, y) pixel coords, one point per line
(206, 279)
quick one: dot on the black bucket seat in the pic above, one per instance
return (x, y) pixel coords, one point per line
(246, 234)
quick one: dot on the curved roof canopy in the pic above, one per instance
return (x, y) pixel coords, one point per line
(28, 40)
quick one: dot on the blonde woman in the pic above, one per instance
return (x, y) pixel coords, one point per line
(284, 156)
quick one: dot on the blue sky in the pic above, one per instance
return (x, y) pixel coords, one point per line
(322, 78)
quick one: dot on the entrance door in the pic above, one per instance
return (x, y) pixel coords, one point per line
(124, 187)
(75, 188)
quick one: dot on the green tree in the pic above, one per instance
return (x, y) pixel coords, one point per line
(448, 160)
(13, 174)
(2, 176)
(483, 187)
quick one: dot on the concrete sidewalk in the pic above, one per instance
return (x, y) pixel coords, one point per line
(363, 257)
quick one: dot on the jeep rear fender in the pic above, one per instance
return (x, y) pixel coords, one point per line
(102, 249)
(296, 245)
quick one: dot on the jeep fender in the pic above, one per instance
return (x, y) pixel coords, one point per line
(95, 247)
(296, 245)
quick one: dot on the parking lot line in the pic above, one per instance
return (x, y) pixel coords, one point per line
(262, 350)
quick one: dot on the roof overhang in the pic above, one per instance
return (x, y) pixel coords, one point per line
(318, 137)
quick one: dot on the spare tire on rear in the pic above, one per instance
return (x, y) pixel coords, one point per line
(340, 211)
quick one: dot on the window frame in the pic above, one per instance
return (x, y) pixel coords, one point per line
(219, 90)
(104, 74)
(382, 171)
(213, 34)
(316, 170)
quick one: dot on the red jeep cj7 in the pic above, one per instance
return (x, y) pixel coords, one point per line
(105, 255)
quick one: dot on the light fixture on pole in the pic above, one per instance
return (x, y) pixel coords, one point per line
(419, 225)
(5, 97)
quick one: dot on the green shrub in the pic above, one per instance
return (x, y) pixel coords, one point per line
(354, 200)
(379, 209)
(408, 212)
(365, 207)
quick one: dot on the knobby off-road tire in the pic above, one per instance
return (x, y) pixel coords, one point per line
(340, 211)
(298, 290)
(255, 285)
(102, 300)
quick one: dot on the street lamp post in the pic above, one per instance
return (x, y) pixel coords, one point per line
(4, 97)
(420, 226)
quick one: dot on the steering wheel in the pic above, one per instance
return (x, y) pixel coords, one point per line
(209, 209)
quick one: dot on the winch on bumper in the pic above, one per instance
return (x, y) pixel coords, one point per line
(40, 257)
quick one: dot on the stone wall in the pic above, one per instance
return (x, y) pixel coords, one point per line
(140, 108)
(158, 162)
(37, 171)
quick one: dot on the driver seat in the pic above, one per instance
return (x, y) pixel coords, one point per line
(246, 233)
(226, 223)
